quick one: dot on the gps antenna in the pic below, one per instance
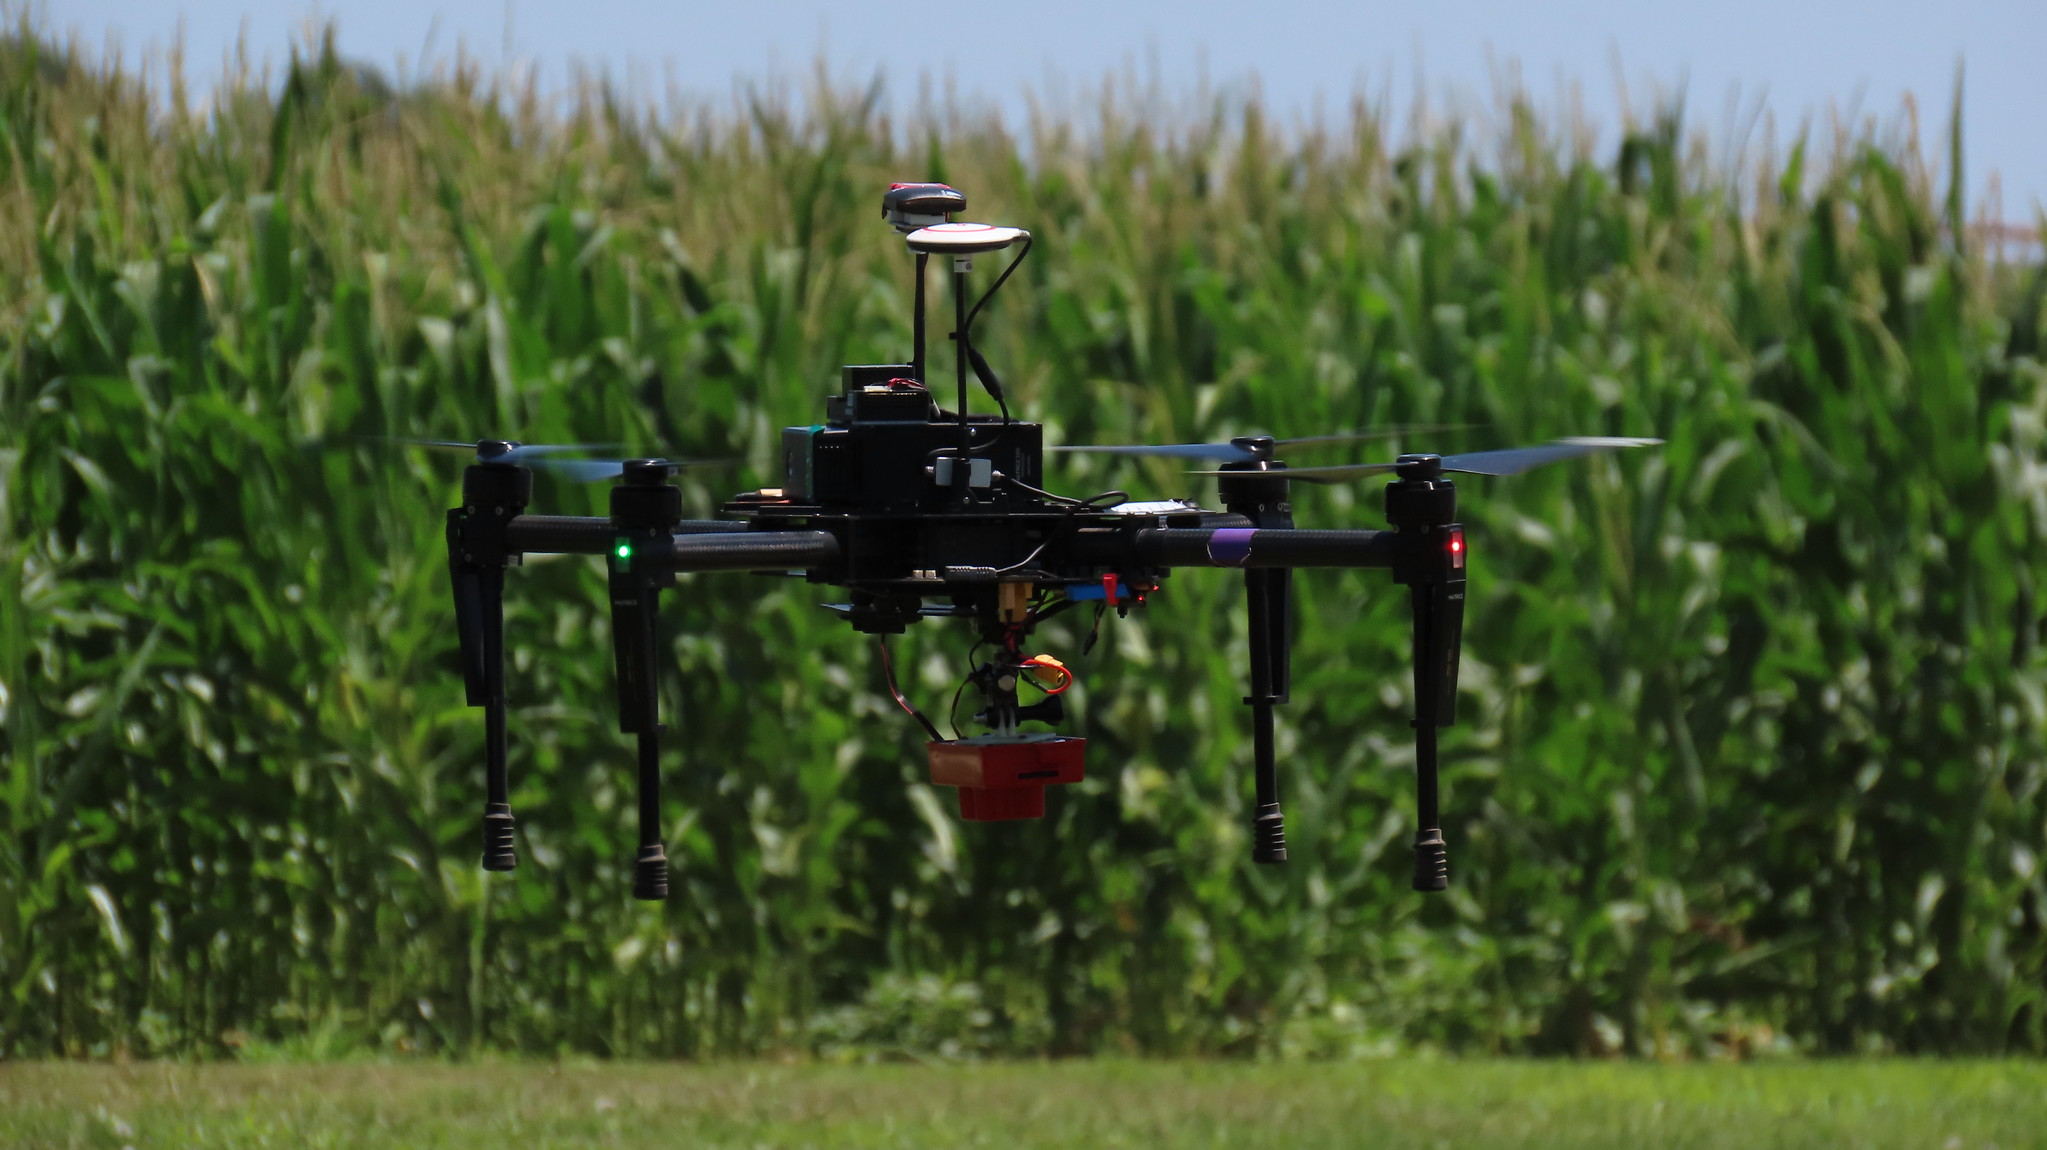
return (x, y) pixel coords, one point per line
(908, 207)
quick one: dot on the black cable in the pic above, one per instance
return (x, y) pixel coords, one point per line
(1094, 632)
(888, 671)
(1025, 561)
(964, 338)
(1073, 507)
(1001, 429)
(1013, 481)
(1070, 503)
(997, 285)
(952, 713)
(1052, 611)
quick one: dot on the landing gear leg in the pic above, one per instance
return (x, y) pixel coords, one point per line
(1423, 507)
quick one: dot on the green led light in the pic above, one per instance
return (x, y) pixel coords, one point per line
(625, 550)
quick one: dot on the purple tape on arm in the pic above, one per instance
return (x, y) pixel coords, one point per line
(1231, 546)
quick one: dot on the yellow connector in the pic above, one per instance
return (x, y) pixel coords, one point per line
(1013, 601)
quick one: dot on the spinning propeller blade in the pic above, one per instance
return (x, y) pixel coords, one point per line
(1509, 461)
(585, 470)
(510, 450)
(542, 455)
(1249, 448)
(1226, 452)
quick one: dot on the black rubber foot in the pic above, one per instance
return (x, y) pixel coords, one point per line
(1268, 835)
(650, 875)
(1431, 861)
(497, 838)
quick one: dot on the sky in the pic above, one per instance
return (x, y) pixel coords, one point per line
(1805, 61)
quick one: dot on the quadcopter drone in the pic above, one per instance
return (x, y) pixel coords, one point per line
(917, 512)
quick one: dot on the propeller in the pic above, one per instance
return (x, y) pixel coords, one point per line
(1251, 448)
(544, 455)
(509, 450)
(1510, 461)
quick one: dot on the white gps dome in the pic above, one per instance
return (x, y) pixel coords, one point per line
(963, 239)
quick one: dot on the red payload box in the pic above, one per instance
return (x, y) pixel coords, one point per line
(1007, 779)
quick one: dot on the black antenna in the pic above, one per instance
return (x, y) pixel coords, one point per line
(917, 322)
(962, 472)
(908, 207)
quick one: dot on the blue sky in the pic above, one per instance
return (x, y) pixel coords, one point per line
(1804, 59)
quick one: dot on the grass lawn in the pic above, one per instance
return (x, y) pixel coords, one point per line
(1154, 1105)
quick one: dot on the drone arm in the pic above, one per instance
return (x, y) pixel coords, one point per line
(698, 544)
(750, 551)
(590, 535)
(1242, 547)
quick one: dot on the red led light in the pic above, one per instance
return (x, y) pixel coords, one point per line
(1456, 549)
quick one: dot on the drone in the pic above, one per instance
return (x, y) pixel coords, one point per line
(916, 512)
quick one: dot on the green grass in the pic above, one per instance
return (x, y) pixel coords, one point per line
(1093, 1104)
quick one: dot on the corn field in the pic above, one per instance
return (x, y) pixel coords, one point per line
(1752, 735)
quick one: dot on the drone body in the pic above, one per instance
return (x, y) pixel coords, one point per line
(914, 511)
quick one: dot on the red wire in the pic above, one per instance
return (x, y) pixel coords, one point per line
(888, 671)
